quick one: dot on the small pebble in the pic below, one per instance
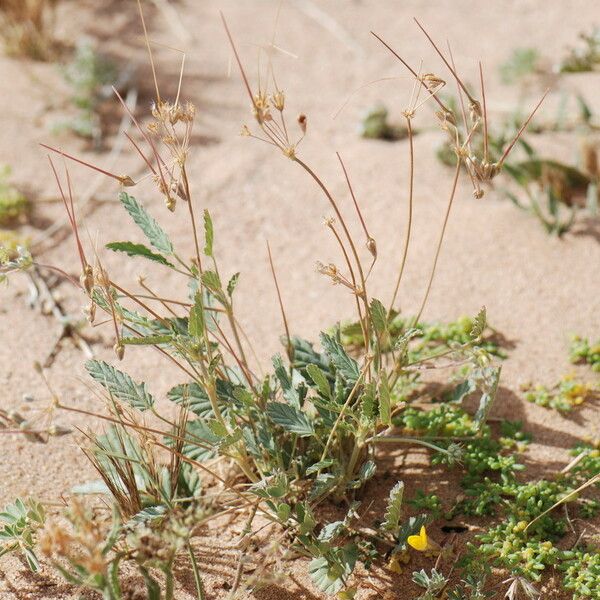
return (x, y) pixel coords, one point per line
(28, 397)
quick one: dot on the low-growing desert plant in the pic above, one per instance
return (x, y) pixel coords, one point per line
(90, 76)
(14, 205)
(307, 435)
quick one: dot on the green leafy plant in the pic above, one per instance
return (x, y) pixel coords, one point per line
(521, 63)
(21, 522)
(586, 57)
(309, 434)
(90, 75)
(568, 393)
(583, 351)
(14, 205)
(375, 125)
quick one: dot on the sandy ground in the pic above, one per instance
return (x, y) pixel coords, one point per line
(538, 290)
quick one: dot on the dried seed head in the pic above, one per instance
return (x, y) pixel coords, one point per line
(475, 110)
(58, 430)
(87, 279)
(446, 119)
(278, 100)
(478, 193)
(90, 312)
(289, 151)
(245, 132)
(101, 276)
(372, 247)
(302, 122)
(126, 181)
(119, 349)
(170, 203)
(261, 108)
(432, 81)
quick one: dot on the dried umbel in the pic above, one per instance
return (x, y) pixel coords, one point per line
(81, 545)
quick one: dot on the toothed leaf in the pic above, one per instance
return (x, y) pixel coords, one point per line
(120, 385)
(153, 231)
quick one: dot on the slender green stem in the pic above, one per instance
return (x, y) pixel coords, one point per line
(201, 593)
(410, 210)
(441, 240)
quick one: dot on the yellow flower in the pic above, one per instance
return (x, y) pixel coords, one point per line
(419, 542)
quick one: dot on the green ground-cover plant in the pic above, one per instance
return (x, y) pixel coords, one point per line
(583, 351)
(375, 125)
(307, 435)
(14, 205)
(89, 75)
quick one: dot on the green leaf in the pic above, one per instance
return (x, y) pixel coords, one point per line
(320, 380)
(120, 385)
(193, 397)
(272, 487)
(211, 280)
(378, 316)
(385, 406)
(148, 340)
(153, 231)
(132, 249)
(391, 521)
(323, 464)
(208, 234)
(232, 284)
(290, 418)
(329, 572)
(479, 324)
(149, 514)
(487, 398)
(196, 322)
(289, 391)
(346, 365)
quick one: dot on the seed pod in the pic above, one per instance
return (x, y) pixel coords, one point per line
(302, 122)
(119, 349)
(372, 247)
(87, 279)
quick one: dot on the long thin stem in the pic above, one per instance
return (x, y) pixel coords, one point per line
(290, 348)
(346, 232)
(441, 240)
(410, 209)
(200, 591)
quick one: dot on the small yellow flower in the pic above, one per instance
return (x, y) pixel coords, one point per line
(419, 542)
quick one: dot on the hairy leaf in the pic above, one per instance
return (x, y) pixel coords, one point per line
(208, 234)
(153, 231)
(488, 397)
(479, 324)
(385, 406)
(132, 249)
(378, 316)
(120, 385)
(320, 380)
(290, 418)
(346, 365)
(196, 320)
(393, 510)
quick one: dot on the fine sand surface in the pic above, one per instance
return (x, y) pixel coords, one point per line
(538, 290)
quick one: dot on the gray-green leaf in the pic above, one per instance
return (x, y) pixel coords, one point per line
(153, 231)
(120, 385)
(290, 418)
(346, 365)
